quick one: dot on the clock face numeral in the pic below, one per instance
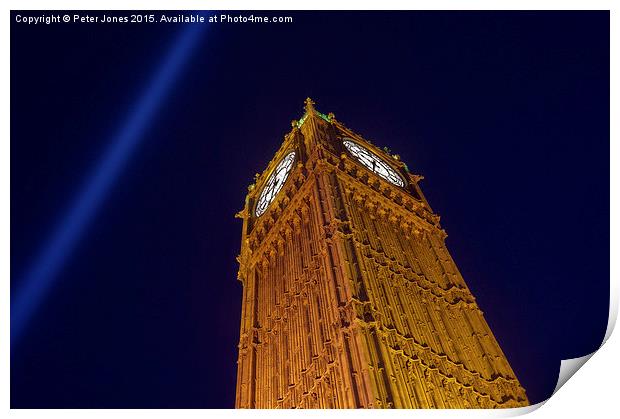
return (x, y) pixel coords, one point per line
(373, 162)
(274, 183)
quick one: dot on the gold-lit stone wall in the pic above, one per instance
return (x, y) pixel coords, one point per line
(350, 297)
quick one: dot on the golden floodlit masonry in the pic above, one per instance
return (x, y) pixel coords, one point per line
(350, 297)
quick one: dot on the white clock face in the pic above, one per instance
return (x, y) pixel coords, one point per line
(373, 162)
(274, 183)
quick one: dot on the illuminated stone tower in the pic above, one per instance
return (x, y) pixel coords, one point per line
(350, 297)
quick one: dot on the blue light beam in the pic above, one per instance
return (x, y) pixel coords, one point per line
(40, 278)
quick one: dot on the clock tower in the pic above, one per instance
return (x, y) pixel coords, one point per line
(350, 296)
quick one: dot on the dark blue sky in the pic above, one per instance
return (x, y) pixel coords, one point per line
(506, 114)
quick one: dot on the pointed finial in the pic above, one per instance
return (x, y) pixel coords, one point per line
(309, 105)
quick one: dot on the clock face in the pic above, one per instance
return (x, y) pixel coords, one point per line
(373, 162)
(274, 183)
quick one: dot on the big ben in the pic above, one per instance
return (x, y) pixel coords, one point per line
(350, 296)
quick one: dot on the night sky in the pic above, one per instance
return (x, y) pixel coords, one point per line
(505, 114)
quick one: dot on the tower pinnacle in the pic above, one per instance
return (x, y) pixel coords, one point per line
(309, 105)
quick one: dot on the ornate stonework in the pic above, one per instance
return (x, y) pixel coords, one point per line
(350, 297)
